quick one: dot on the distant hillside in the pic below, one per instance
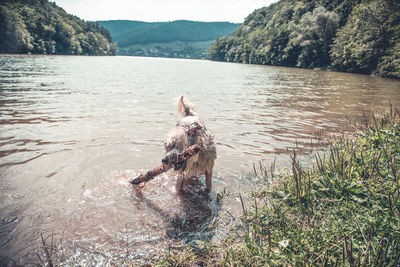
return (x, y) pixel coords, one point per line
(180, 38)
(41, 27)
(361, 36)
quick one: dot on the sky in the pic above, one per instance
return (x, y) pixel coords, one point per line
(163, 10)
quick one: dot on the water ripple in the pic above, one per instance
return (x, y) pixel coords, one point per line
(74, 130)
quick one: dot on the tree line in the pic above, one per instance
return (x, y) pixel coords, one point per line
(41, 27)
(360, 36)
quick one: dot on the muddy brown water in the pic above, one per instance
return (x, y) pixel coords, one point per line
(73, 130)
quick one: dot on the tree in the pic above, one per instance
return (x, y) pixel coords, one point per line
(314, 34)
(40, 27)
(14, 37)
(368, 38)
(218, 50)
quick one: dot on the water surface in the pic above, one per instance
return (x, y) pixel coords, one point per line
(73, 130)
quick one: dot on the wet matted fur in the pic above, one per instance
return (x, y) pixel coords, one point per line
(191, 130)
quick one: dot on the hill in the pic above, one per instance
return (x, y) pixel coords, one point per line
(361, 36)
(41, 27)
(179, 38)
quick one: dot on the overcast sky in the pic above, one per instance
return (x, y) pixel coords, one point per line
(163, 10)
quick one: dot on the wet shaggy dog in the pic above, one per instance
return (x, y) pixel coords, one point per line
(190, 130)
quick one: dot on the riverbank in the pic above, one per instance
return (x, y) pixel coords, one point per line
(342, 210)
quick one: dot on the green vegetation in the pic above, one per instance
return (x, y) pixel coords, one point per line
(361, 36)
(342, 211)
(370, 40)
(41, 27)
(182, 38)
(121, 29)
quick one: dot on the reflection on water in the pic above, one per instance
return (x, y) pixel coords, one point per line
(73, 130)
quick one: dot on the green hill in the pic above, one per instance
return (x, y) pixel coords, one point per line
(41, 27)
(361, 36)
(121, 29)
(179, 38)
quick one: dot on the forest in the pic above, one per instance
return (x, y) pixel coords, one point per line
(41, 27)
(358, 36)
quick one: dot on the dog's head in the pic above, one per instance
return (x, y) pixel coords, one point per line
(191, 125)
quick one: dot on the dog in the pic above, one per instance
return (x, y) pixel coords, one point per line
(190, 130)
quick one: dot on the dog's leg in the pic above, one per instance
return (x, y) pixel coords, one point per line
(189, 180)
(208, 180)
(179, 183)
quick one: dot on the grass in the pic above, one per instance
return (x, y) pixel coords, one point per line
(343, 210)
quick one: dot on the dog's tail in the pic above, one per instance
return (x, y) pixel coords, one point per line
(185, 108)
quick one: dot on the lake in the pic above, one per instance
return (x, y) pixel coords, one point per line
(75, 129)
